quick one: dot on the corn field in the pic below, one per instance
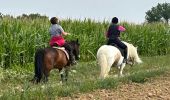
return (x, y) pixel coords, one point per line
(19, 38)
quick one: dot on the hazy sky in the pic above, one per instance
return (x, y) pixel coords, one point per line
(125, 10)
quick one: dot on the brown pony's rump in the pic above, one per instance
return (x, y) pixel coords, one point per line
(49, 58)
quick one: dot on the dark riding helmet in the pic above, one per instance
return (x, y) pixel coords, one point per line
(115, 20)
(54, 20)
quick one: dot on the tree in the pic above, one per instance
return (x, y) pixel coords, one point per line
(33, 16)
(159, 13)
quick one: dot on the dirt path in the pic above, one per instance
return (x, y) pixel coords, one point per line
(156, 89)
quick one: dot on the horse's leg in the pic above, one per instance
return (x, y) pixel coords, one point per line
(121, 69)
(107, 70)
(66, 72)
(109, 65)
(105, 65)
(61, 71)
(46, 74)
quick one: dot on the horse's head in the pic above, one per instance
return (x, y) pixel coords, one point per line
(132, 54)
(75, 46)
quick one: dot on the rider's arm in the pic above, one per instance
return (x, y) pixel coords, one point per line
(106, 34)
(121, 28)
(63, 32)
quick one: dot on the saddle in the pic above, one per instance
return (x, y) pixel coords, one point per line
(62, 49)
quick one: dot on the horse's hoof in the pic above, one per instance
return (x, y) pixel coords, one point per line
(118, 67)
(74, 71)
(129, 63)
(121, 75)
(115, 75)
(73, 63)
(33, 81)
(61, 83)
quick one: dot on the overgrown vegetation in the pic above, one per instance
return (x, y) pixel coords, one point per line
(82, 78)
(21, 37)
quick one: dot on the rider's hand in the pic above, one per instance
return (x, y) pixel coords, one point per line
(68, 34)
(65, 33)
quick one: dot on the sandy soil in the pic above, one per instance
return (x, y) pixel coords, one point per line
(155, 89)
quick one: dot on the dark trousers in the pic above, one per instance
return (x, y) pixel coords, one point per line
(116, 41)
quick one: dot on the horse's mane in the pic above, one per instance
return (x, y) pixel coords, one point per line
(73, 42)
(132, 53)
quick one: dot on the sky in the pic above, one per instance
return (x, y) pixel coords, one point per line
(126, 10)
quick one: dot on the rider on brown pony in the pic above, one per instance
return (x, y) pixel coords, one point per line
(56, 32)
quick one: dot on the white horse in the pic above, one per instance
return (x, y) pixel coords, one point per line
(108, 55)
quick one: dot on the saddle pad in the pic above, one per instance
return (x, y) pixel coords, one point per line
(64, 50)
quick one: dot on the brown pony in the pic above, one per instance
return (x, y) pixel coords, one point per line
(48, 58)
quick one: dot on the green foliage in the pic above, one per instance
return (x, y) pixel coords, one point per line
(20, 38)
(151, 39)
(141, 77)
(159, 13)
(153, 15)
(15, 85)
(108, 83)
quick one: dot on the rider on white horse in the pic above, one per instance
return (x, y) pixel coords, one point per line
(113, 35)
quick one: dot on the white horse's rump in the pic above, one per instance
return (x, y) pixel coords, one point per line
(109, 55)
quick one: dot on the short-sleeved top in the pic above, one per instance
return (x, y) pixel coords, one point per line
(114, 31)
(56, 30)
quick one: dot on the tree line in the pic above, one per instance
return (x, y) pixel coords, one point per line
(30, 16)
(159, 13)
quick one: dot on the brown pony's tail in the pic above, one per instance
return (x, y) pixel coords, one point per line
(39, 56)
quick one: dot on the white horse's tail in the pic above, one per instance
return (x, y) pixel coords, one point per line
(102, 61)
